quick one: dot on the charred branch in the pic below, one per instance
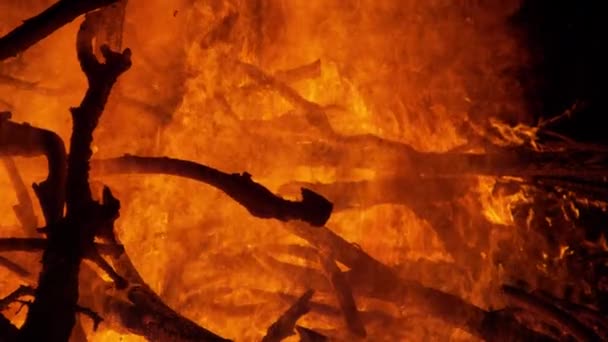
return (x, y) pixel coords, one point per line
(285, 325)
(314, 113)
(550, 313)
(38, 244)
(24, 209)
(94, 316)
(71, 239)
(303, 72)
(147, 315)
(27, 141)
(344, 294)
(14, 267)
(101, 77)
(44, 24)
(258, 200)
(309, 335)
(21, 291)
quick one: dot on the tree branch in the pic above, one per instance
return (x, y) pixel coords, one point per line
(259, 201)
(27, 141)
(24, 209)
(343, 293)
(14, 267)
(71, 239)
(285, 325)
(39, 244)
(44, 24)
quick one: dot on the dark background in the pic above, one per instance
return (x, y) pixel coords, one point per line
(567, 40)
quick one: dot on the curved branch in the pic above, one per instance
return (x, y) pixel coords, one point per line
(27, 141)
(258, 200)
(44, 24)
(24, 209)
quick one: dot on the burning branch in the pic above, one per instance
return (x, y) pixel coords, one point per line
(259, 201)
(24, 209)
(14, 267)
(343, 293)
(285, 325)
(138, 309)
(37, 245)
(41, 26)
(309, 335)
(27, 141)
(70, 239)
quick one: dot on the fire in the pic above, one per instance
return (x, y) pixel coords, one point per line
(277, 88)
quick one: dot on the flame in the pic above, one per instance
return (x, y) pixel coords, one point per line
(235, 84)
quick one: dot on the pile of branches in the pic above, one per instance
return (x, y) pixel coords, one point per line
(77, 227)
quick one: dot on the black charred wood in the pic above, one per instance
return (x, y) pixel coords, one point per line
(285, 325)
(258, 200)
